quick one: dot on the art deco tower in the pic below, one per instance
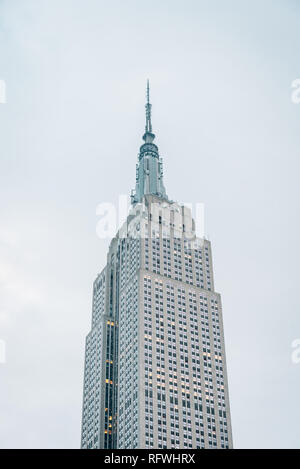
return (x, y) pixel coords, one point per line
(155, 367)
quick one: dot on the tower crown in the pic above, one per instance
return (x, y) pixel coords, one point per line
(149, 171)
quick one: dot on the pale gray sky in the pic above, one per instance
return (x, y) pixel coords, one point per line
(221, 75)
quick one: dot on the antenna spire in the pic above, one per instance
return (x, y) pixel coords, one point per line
(148, 106)
(148, 92)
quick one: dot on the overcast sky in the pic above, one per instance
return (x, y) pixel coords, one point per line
(229, 134)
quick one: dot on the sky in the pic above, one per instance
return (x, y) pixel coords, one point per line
(70, 130)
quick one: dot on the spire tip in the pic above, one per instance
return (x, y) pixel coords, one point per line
(148, 92)
(148, 106)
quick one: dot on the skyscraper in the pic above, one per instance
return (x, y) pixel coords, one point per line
(155, 367)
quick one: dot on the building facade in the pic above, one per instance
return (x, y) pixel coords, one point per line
(155, 366)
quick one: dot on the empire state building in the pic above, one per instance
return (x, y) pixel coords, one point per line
(155, 367)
